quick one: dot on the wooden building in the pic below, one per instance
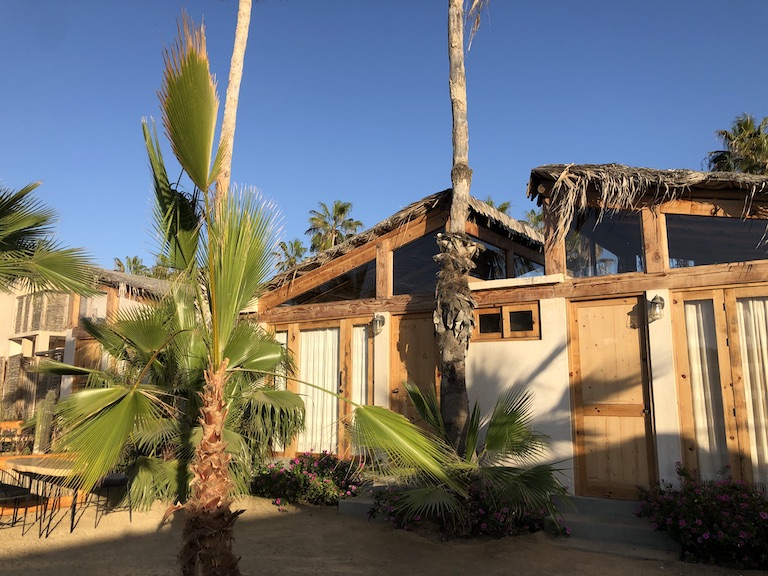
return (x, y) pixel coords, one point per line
(358, 317)
(644, 335)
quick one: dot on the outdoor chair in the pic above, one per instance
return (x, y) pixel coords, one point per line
(12, 495)
(110, 484)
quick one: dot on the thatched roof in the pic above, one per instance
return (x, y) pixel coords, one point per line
(479, 211)
(622, 187)
(131, 283)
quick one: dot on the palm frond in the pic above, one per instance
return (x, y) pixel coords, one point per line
(473, 434)
(177, 215)
(429, 502)
(407, 448)
(527, 488)
(509, 433)
(190, 104)
(427, 406)
(98, 423)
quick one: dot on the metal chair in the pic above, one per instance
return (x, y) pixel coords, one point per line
(13, 494)
(116, 481)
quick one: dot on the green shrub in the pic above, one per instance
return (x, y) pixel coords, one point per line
(309, 478)
(483, 516)
(723, 522)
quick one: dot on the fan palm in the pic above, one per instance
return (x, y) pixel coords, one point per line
(331, 226)
(745, 147)
(502, 467)
(29, 258)
(289, 254)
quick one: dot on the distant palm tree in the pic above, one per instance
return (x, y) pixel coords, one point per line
(29, 258)
(289, 254)
(745, 147)
(329, 227)
(503, 207)
(535, 219)
(132, 265)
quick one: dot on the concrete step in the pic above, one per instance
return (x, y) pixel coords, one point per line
(613, 523)
(359, 506)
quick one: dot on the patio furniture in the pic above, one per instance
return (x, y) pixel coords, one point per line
(46, 479)
(109, 485)
(11, 495)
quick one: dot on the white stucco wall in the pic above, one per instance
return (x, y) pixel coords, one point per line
(539, 365)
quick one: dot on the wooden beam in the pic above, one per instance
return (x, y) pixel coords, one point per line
(351, 309)
(554, 252)
(654, 241)
(384, 275)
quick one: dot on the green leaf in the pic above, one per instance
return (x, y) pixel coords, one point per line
(190, 104)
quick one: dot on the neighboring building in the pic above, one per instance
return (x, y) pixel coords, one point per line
(644, 339)
(47, 324)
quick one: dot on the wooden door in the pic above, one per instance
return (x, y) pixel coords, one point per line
(414, 359)
(612, 424)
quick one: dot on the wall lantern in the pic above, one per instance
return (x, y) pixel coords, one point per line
(377, 324)
(656, 309)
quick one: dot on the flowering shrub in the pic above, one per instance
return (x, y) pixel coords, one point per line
(723, 522)
(480, 517)
(309, 478)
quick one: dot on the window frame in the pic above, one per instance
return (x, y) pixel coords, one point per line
(506, 331)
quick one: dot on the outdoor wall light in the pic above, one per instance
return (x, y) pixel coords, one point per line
(656, 309)
(377, 324)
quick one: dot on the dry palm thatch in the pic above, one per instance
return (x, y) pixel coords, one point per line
(570, 188)
(480, 211)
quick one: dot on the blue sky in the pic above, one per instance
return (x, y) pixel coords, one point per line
(348, 100)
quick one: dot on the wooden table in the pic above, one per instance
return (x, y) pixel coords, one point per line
(51, 470)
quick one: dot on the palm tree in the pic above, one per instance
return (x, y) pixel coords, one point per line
(503, 207)
(329, 227)
(29, 257)
(222, 245)
(454, 305)
(745, 147)
(132, 265)
(535, 219)
(501, 471)
(289, 254)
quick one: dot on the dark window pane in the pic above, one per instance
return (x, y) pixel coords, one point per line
(489, 323)
(490, 263)
(521, 321)
(414, 269)
(354, 285)
(700, 240)
(613, 246)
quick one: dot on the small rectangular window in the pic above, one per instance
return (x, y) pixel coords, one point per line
(515, 321)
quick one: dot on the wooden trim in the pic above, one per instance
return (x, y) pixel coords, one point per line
(354, 308)
(654, 242)
(577, 421)
(384, 274)
(554, 253)
(730, 208)
(741, 414)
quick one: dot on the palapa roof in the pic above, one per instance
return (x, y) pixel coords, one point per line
(622, 187)
(480, 211)
(131, 283)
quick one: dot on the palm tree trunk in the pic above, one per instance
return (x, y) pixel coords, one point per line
(454, 307)
(233, 94)
(208, 529)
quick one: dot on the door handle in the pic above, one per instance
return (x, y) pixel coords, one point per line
(396, 390)
(646, 411)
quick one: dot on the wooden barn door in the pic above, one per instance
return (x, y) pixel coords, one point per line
(614, 448)
(414, 359)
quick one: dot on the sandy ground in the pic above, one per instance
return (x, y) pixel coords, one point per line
(302, 541)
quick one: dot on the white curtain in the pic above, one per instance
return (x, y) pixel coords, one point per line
(705, 388)
(359, 376)
(319, 365)
(753, 336)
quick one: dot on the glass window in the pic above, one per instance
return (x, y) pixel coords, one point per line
(354, 285)
(414, 270)
(612, 246)
(701, 240)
